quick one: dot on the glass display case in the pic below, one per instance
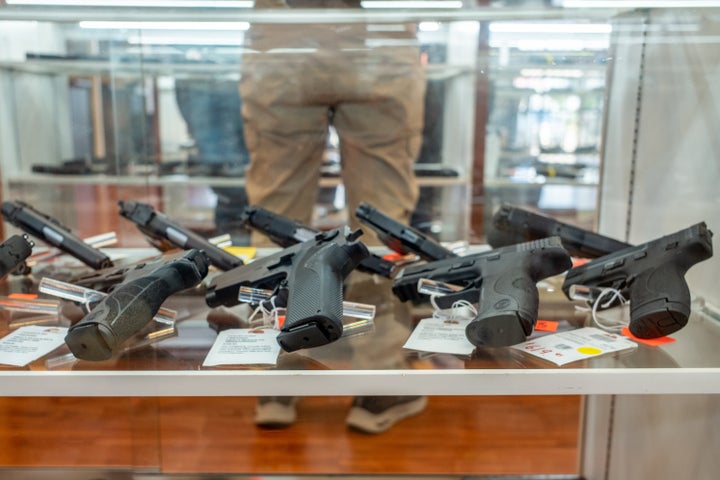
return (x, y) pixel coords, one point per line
(142, 101)
(597, 114)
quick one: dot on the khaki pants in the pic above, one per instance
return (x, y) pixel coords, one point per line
(374, 98)
(372, 90)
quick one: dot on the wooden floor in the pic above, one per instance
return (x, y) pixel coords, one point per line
(453, 436)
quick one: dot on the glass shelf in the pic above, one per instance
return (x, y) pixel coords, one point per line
(144, 180)
(76, 14)
(173, 367)
(141, 65)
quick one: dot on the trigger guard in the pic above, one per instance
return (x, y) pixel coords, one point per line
(446, 301)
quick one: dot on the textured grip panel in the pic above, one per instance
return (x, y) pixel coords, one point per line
(659, 302)
(508, 310)
(318, 292)
(509, 299)
(314, 307)
(129, 308)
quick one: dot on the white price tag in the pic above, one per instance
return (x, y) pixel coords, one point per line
(439, 335)
(30, 343)
(565, 347)
(244, 346)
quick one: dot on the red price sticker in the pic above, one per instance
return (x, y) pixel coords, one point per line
(546, 326)
(653, 342)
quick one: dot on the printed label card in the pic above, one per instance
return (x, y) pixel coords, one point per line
(29, 343)
(244, 346)
(438, 335)
(573, 345)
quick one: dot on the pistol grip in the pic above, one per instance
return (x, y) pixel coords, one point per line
(508, 309)
(314, 308)
(130, 307)
(315, 292)
(116, 318)
(659, 302)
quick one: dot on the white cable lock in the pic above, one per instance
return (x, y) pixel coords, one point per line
(613, 326)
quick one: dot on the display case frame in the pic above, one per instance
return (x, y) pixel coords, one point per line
(613, 387)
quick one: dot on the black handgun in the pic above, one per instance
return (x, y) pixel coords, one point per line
(50, 230)
(511, 225)
(165, 234)
(286, 233)
(652, 276)
(502, 283)
(13, 253)
(310, 276)
(132, 305)
(106, 279)
(401, 238)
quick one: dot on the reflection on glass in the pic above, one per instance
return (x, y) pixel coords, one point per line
(547, 84)
(350, 309)
(88, 297)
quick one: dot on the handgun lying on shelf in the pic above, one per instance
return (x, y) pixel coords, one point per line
(165, 234)
(401, 238)
(50, 230)
(511, 225)
(652, 276)
(309, 275)
(130, 307)
(106, 279)
(13, 253)
(286, 232)
(502, 282)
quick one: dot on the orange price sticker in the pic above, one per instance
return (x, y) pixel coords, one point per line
(23, 296)
(576, 262)
(393, 256)
(653, 342)
(546, 326)
(280, 320)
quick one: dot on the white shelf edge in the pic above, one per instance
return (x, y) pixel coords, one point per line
(295, 16)
(630, 381)
(154, 180)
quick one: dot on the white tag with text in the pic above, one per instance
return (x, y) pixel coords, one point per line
(30, 343)
(573, 345)
(244, 346)
(440, 335)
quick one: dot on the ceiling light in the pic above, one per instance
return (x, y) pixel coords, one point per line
(513, 27)
(137, 3)
(412, 4)
(214, 26)
(640, 3)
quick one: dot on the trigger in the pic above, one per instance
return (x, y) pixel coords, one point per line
(354, 235)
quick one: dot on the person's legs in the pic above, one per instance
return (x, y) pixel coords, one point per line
(285, 137)
(212, 112)
(380, 128)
